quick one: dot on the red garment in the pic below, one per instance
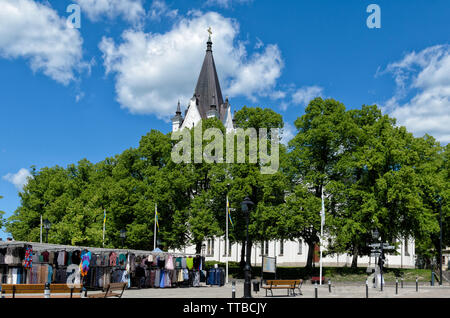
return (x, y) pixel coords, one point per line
(113, 259)
(45, 255)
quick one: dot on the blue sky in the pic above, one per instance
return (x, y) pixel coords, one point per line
(68, 94)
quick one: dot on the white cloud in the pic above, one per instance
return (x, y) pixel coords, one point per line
(131, 10)
(259, 44)
(35, 32)
(19, 179)
(226, 3)
(304, 95)
(423, 79)
(160, 9)
(153, 71)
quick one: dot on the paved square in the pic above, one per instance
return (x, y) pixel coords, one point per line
(337, 291)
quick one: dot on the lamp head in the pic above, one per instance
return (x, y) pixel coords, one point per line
(47, 224)
(246, 205)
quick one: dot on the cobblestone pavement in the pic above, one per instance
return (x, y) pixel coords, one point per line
(337, 291)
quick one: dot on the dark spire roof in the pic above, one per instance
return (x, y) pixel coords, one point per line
(178, 116)
(178, 109)
(208, 84)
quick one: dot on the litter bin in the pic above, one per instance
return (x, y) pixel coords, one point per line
(256, 286)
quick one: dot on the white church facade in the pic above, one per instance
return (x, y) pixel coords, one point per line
(207, 102)
(295, 253)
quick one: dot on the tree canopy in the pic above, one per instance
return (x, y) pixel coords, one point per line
(373, 173)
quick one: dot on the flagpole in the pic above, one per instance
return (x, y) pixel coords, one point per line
(226, 243)
(41, 230)
(154, 231)
(322, 215)
(104, 222)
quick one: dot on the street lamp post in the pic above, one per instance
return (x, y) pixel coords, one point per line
(47, 226)
(377, 237)
(123, 235)
(440, 240)
(246, 206)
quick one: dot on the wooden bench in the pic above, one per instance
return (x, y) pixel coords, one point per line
(34, 289)
(109, 291)
(315, 279)
(290, 285)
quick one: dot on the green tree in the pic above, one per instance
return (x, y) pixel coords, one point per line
(265, 190)
(314, 154)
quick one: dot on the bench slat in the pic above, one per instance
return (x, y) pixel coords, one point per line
(39, 288)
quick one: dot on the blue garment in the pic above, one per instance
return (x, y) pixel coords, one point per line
(162, 280)
(50, 274)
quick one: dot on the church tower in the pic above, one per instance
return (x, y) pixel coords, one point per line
(207, 101)
(177, 119)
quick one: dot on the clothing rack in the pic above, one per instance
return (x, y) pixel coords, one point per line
(40, 247)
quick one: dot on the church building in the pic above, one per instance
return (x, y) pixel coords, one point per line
(207, 101)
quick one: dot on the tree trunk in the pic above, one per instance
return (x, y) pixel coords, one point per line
(309, 260)
(355, 257)
(198, 247)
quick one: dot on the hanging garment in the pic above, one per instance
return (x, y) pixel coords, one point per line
(147, 278)
(169, 262)
(106, 277)
(112, 259)
(162, 279)
(43, 273)
(196, 281)
(122, 259)
(161, 262)
(68, 259)
(168, 281)
(190, 263)
(157, 278)
(45, 256)
(76, 259)
(50, 274)
(99, 260)
(180, 278)
(150, 258)
(152, 278)
(35, 258)
(183, 263)
(2, 256)
(55, 259)
(85, 262)
(12, 256)
(51, 257)
(132, 262)
(173, 277)
(185, 274)
(124, 278)
(178, 262)
(155, 260)
(93, 260)
(99, 277)
(61, 256)
(202, 276)
(196, 262)
(28, 260)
